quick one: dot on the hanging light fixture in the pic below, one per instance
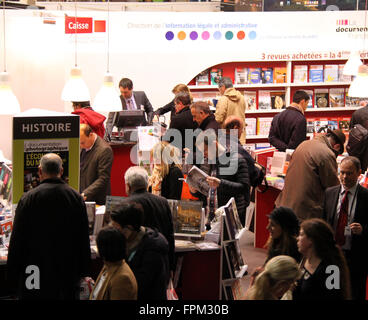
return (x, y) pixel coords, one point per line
(8, 101)
(359, 86)
(75, 89)
(352, 65)
(107, 98)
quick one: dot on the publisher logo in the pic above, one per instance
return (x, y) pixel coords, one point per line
(78, 25)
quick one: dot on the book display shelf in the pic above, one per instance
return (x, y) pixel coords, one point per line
(268, 88)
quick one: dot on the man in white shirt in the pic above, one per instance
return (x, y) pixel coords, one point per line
(346, 210)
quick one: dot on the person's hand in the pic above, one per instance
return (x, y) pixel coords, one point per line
(213, 182)
(84, 197)
(356, 228)
(186, 153)
(192, 190)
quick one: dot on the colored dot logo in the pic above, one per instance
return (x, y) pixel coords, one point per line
(229, 35)
(169, 35)
(205, 35)
(241, 35)
(252, 35)
(182, 35)
(217, 35)
(193, 35)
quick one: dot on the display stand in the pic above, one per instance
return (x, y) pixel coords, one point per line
(232, 264)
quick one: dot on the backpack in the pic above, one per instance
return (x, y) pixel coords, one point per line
(358, 140)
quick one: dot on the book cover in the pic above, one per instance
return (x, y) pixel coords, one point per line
(321, 98)
(241, 75)
(6, 227)
(342, 77)
(37, 132)
(250, 98)
(196, 178)
(264, 100)
(300, 74)
(254, 75)
(263, 126)
(267, 75)
(331, 73)
(321, 125)
(277, 99)
(216, 75)
(202, 78)
(344, 123)
(310, 125)
(279, 75)
(316, 73)
(263, 145)
(251, 126)
(310, 102)
(189, 218)
(333, 123)
(352, 102)
(337, 96)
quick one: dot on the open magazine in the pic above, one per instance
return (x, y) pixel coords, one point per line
(196, 179)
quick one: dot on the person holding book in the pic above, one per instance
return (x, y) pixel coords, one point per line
(289, 127)
(325, 274)
(116, 280)
(275, 280)
(227, 175)
(231, 103)
(166, 176)
(146, 251)
(171, 107)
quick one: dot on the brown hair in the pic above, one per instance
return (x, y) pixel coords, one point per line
(325, 248)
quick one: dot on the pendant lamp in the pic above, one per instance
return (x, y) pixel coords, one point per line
(359, 86)
(107, 98)
(352, 65)
(75, 89)
(8, 101)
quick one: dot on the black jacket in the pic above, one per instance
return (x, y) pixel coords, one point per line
(209, 123)
(157, 214)
(171, 186)
(288, 129)
(170, 107)
(50, 232)
(360, 116)
(150, 266)
(181, 121)
(233, 184)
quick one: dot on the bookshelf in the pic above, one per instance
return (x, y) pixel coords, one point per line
(295, 75)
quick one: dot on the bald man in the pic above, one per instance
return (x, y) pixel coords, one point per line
(96, 159)
(49, 250)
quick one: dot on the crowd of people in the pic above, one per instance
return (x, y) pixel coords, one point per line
(318, 229)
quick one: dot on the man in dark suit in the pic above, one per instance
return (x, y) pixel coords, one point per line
(96, 159)
(157, 213)
(346, 210)
(135, 100)
(180, 122)
(360, 116)
(49, 250)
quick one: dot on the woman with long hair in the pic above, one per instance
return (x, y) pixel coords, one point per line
(325, 272)
(283, 226)
(166, 172)
(275, 280)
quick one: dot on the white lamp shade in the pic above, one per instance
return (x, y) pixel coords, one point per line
(9, 103)
(75, 89)
(107, 98)
(359, 86)
(352, 65)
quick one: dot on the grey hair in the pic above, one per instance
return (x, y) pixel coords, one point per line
(137, 178)
(354, 160)
(51, 164)
(226, 82)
